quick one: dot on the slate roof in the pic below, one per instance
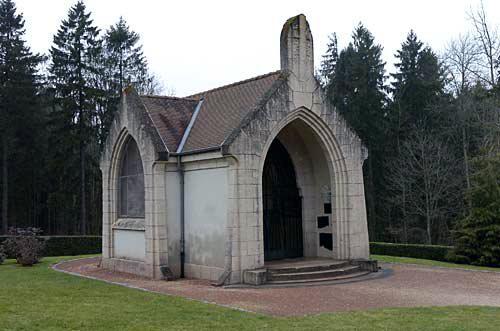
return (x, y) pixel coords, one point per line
(222, 111)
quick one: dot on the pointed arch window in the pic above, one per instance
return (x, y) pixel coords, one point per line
(131, 182)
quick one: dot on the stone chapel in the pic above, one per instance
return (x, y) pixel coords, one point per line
(219, 184)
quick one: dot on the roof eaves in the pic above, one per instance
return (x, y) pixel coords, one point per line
(198, 151)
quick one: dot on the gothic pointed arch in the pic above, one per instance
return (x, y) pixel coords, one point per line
(131, 202)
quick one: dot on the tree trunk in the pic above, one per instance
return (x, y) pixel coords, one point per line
(428, 214)
(5, 186)
(429, 231)
(465, 147)
(81, 124)
(83, 210)
(426, 174)
(121, 73)
(83, 202)
(405, 225)
(403, 207)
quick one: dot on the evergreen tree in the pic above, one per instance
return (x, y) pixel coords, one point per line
(418, 83)
(357, 90)
(330, 58)
(76, 75)
(18, 101)
(357, 87)
(478, 234)
(125, 65)
(125, 59)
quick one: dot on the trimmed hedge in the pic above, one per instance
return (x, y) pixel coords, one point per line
(429, 252)
(80, 245)
(69, 245)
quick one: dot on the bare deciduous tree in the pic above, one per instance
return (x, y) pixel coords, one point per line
(488, 41)
(489, 119)
(461, 59)
(425, 172)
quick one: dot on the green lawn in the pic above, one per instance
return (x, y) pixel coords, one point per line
(39, 298)
(409, 260)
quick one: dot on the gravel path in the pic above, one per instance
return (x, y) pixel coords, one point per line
(402, 286)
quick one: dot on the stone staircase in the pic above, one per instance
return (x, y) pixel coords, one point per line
(304, 271)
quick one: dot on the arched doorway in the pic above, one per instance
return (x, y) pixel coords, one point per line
(282, 206)
(302, 161)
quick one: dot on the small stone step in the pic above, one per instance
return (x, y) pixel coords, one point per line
(318, 280)
(308, 268)
(309, 275)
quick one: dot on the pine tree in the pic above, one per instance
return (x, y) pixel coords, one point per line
(330, 58)
(18, 98)
(358, 92)
(418, 84)
(125, 59)
(478, 234)
(76, 75)
(124, 65)
(358, 89)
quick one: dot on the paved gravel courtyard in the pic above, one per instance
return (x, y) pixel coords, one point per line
(397, 285)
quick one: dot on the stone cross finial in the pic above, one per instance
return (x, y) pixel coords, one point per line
(297, 56)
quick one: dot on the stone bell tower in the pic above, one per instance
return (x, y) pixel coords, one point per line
(297, 59)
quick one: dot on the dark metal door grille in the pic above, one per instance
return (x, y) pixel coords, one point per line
(282, 206)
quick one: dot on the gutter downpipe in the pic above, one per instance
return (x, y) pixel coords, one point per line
(180, 169)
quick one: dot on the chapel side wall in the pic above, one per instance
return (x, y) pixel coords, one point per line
(206, 206)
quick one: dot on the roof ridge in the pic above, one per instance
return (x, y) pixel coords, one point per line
(234, 84)
(167, 97)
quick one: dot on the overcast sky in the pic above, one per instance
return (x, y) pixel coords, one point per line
(198, 45)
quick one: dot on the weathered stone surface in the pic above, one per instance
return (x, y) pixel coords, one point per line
(255, 277)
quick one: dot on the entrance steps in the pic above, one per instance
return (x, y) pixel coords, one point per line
(308, 270)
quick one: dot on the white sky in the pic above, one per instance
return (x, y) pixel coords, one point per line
(198, 45)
